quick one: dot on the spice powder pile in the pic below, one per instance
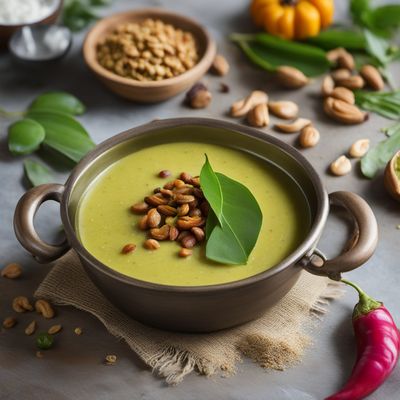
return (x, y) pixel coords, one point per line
(147, 51)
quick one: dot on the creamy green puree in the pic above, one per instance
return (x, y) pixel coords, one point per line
(105, 223)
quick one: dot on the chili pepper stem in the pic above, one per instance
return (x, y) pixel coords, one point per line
(365, 303)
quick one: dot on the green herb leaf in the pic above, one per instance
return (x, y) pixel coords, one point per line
(269, 52)
(64, 134)
(78, 14)
(44, 341)
(386, 17)
(25, 136)
(332, 38)
(377, 47)
(386, 104)
(391, 130)
(37, 173)
(59, 102)
(379, 156)
(360, 11)
(233, 231)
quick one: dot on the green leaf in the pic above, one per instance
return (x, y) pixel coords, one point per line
(386, 17)
(391, 130)
(377, 47)
(360, 10)
(269, 52)
(233, 230)
(379, 156)
(37, 173)
(25, 136)
(386, 104)
(78, 14)
(332, 38)
(64, 134)
(58, 101)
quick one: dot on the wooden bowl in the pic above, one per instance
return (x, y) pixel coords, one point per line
(6, 31)
(149, 91)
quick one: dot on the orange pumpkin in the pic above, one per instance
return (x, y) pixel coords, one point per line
(292, 19)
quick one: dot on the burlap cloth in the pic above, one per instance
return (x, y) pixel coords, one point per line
(276, 340)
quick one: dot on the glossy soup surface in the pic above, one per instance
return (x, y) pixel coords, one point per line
(105, 223)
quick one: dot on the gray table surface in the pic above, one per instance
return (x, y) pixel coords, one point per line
(73, 369)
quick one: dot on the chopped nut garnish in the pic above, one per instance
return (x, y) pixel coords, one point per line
(110, 359)
(9, 322)
(54, 329)
(44, 307)
(128, 248)
(31, 328)
(78, 331)
(21, 304)
(11, 271)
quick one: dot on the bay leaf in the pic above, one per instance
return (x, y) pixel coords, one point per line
(58, 101)
(37, 173)
(25, 136)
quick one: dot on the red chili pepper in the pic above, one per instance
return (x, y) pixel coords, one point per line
(378, 347)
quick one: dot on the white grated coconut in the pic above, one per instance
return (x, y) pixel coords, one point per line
(14, 12)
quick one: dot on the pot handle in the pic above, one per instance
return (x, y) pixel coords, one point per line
(361, 245)
(24, 228)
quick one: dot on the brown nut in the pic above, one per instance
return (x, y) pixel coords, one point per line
(54, 329)
(9, 322)
(31, 328)
(346, 60)
(295, 126)
(160, 233)
(44, 307)
(291, 78)
(196, 212)
(156, 200)
(258, 116)
(188, 241)
(183, 209)
(153, 218)
(169, 185)
(220, 66)
(241, 107)
(167, 211)
(392, 176)
(173, 233)
(186, 223)
(327, 85)
(334, 54)
(359, 148)
(372, 77)
(11, 271)
(344, 112)
(140, 208)
(342, 93)
(309, 137)
(151, 244)
(198, 96)
(339, 74)
(21, 304)
(184, 198)
(284, 109)
(166, 192)
(198, 233)
(184, 252)
(110, 359)
(353, 82)
(195, 181)
(165, 173)
(341, 166)
(179, 183)
(128, 248)
(185, 177)
(143, 223)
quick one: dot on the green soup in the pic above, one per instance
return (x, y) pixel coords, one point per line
(105, 223)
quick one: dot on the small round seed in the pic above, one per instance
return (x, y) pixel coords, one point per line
(341, 166)
(189, 241)
(128, 248)
(185, 252)
(151, 244)
(164, 173)
(54, 329)
(359, 148)
(11, 271)
(309, 137)
(9, 322)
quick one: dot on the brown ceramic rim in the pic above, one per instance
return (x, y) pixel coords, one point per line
(304, 248)
(204, 62)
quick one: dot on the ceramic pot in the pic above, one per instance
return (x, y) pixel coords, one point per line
(200, 308)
